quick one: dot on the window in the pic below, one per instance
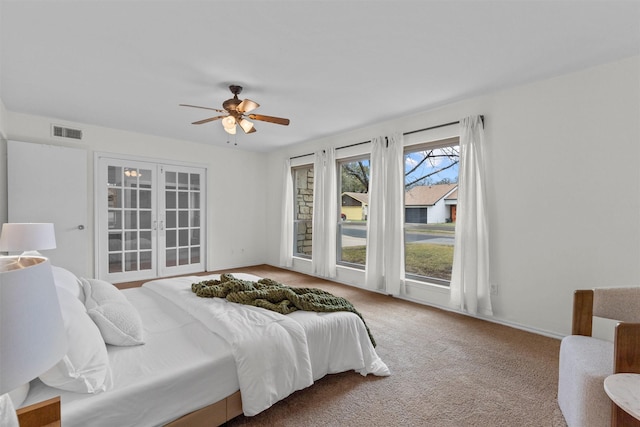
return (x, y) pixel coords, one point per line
(431, 184)
(354, 203)
(303, 210)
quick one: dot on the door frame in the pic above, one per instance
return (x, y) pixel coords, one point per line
(98, 155)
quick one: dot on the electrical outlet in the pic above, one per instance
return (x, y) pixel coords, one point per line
(494, 289)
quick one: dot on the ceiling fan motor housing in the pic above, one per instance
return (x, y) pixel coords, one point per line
(232, 103)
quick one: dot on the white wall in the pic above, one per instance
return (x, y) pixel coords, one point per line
(235, 185)
(563, 189)
(4, 212)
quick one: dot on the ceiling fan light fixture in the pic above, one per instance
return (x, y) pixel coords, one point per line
(246, 125)
(247, 105)
(229, 124)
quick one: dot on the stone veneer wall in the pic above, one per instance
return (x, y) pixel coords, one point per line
(304, 210)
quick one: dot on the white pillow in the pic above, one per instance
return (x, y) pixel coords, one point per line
(85, 368)
(118, 320)
(67, 280)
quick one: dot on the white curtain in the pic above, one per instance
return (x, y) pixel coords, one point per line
(286, 227)
(470, 288)
(385, 235)
(374, 270)
(325, 214)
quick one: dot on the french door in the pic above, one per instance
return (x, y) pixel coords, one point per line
(150, 219)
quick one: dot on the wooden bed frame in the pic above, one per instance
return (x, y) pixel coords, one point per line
(47, 414)
(213, 415)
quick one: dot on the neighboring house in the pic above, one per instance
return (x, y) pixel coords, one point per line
(355, 206)
(431, 204)
(424, 204)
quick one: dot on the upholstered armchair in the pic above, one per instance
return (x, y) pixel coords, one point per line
(586, 361)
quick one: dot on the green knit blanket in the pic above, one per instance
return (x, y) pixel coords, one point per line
(269, 294)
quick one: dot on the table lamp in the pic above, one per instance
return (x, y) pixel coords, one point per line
(27, 237)
(32, 332)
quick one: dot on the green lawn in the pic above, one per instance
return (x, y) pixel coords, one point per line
(423, 259)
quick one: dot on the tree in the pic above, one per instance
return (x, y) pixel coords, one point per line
(425, 167)
(355, 177)
(430, 163)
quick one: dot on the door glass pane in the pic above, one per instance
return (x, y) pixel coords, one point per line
(170, 258)
(145, 199)
(183, 219)
(130, 220)
(115, 242)
(171, 219)
(144, 179)
(114, 176)
(170, 199)
(145, 220)
(183, 181)
(195, 182)
(145, 240)
(130, 261)
(114, 219)
(115, 263)
(170, 180)
(184, 256)
(130, 198)
(131, 240)
(170, 238)
(114, 198)
(145, 260)
(195, 218)
(183, 199)
(195, 255)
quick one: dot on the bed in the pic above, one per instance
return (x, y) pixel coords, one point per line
(184, 360)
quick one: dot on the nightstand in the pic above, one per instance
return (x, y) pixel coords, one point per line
(42, 414)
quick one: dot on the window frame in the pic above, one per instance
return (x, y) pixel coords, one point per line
(339, 163)
(423, 146)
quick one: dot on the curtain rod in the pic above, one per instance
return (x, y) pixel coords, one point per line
(404, 134)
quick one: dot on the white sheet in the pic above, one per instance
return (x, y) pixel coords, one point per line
(182, 367)
(275, 354)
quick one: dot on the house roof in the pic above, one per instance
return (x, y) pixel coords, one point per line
(361, 197)
(128, 64)
(428, 195)
(453, 195)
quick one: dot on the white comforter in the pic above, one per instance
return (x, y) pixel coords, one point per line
(275, 354)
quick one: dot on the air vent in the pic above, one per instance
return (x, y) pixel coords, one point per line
(63, 132)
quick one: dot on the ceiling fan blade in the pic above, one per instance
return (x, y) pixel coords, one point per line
(210, 119)
(247, 105)
(270, 119)
(204, 108)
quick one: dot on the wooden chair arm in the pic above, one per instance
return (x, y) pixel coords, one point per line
(582, 313)
(626, 356)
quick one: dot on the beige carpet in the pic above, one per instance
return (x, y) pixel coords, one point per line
(446, 370)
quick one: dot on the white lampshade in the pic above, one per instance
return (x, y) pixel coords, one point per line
(32, 333)
(246, 125)
(27, 237)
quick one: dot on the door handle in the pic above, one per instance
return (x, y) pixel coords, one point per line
(81, 227)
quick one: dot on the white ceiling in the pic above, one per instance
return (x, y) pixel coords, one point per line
(329, 66)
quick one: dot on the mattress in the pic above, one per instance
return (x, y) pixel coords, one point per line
(188, 363)
(181, 367)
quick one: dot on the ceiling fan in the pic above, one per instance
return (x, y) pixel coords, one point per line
(236, 110)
